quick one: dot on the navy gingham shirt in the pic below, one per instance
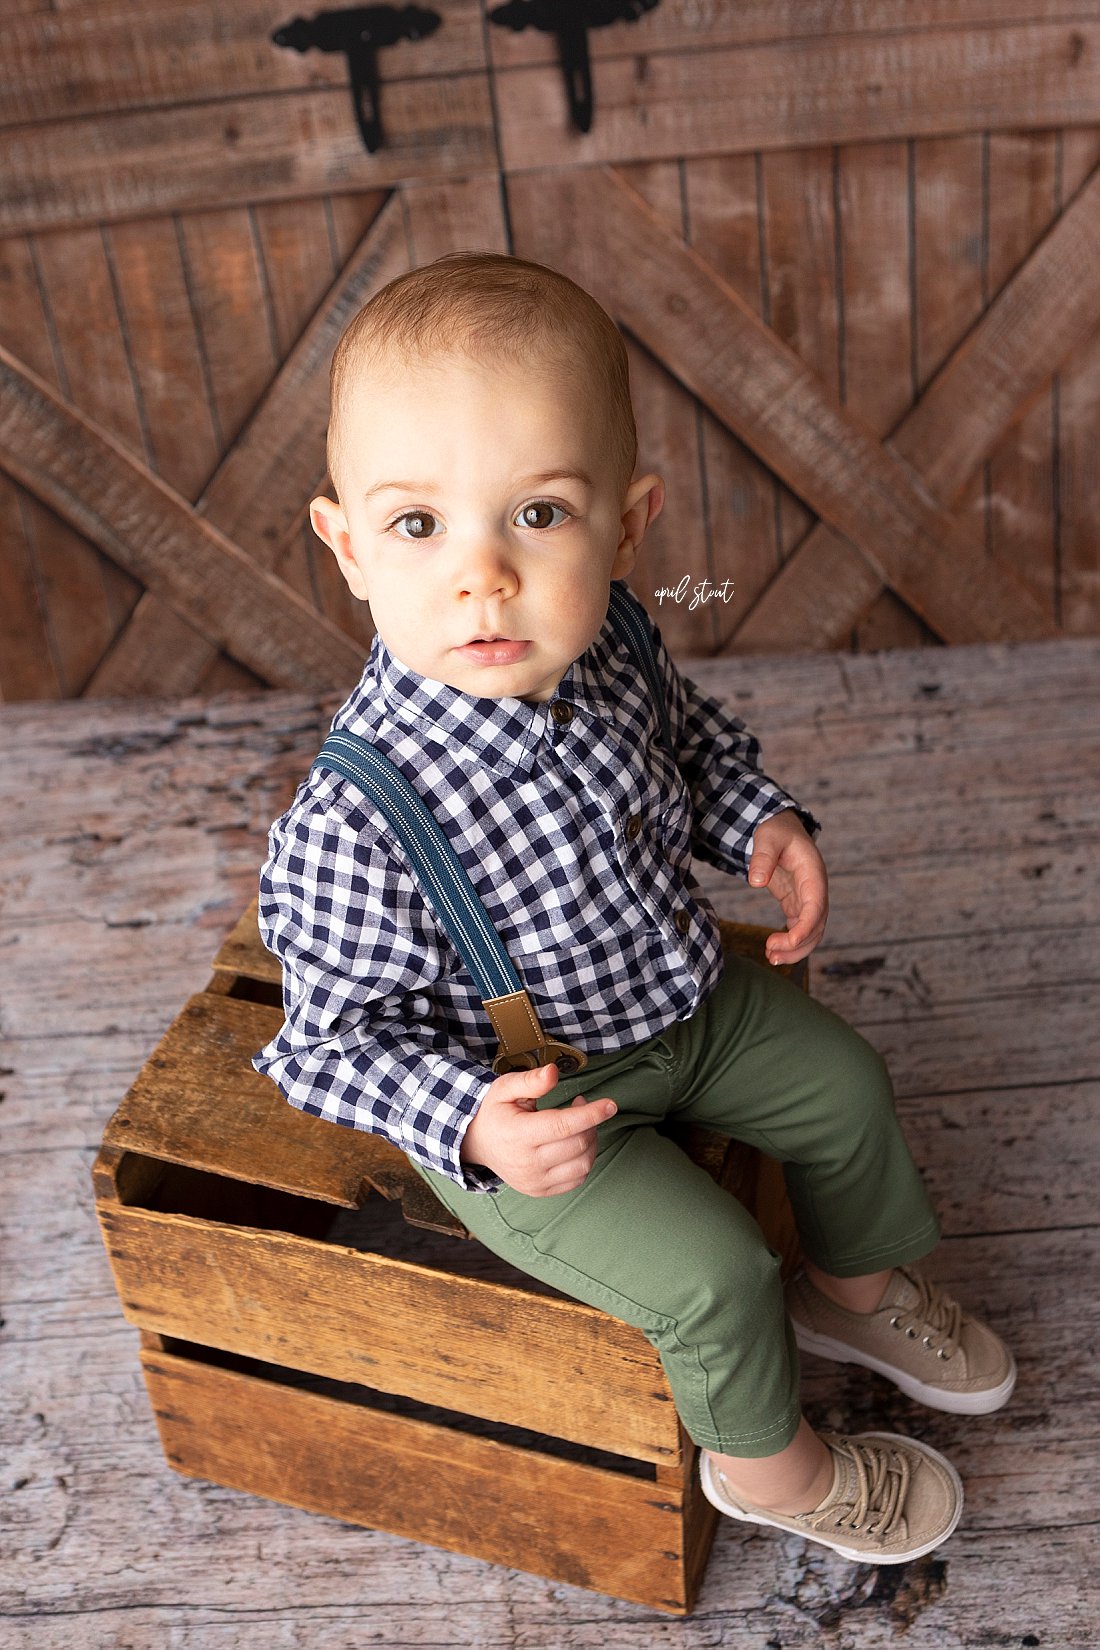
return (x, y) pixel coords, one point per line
(577, 831)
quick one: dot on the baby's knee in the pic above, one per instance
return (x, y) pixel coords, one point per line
(740, 1279)
(859, 1073)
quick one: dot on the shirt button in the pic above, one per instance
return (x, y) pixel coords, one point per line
(561, 711)
(633, 826)
(683, 920)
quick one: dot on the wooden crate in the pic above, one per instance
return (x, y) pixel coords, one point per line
(292, 1324)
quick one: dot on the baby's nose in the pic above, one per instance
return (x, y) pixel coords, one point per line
(485, 567)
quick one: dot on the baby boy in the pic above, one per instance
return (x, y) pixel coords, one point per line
(482, 445)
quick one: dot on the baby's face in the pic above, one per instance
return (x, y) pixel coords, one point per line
(461, 520)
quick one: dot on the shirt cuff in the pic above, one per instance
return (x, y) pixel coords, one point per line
(432, 1133)
(778, 805)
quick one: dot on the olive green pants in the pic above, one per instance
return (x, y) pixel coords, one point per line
(651, 1239)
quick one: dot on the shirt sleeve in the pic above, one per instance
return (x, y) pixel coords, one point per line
(359, 949)
(720, 761)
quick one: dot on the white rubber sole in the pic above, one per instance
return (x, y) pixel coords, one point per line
(713, 1492)
(956, 1403)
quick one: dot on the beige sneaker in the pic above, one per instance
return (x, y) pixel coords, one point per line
(918, 1337)
(892, 1499)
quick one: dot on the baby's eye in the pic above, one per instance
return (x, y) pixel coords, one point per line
(532, 509)
(417, 517)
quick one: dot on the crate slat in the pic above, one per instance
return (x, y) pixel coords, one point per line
(553, 1365)
(572, 1522)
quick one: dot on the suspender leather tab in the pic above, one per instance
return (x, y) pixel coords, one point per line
(523, 1043)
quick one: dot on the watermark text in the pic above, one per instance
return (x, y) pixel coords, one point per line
(701, 592)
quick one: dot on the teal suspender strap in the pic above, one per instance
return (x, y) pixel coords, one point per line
(447, 887)
(635, 632)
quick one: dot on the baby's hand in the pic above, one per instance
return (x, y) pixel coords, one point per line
(786, 861)
(541, 1153)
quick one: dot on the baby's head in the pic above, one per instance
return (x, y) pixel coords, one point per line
(482, 445)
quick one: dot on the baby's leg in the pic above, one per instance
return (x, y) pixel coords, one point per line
(794, 1480)
(650, 1238)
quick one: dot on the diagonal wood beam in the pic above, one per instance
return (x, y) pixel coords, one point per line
(1049, 308)
(676, 304)
(96, 485)
(256, 493)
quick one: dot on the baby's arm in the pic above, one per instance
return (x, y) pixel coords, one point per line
(359, 948)
(720, 761)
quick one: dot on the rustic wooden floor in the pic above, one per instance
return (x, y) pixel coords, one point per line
(958, 789)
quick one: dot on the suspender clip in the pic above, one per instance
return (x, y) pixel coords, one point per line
(563, 1055)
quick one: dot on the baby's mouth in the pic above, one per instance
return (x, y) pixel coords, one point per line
(494, 650)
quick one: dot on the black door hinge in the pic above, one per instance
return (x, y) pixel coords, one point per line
(571, 20)
(359, 32)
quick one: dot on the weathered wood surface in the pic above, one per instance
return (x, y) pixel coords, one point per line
(957, 791)
(78, 469)
(657, 285)
(798, 93)
(269, 126)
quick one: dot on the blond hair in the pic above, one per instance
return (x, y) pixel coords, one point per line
(489, 303)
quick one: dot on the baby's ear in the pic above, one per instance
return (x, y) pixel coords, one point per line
(642, 505)
(331, 526)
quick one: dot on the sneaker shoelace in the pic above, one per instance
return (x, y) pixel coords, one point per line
(934, 1312)
(882, 1480)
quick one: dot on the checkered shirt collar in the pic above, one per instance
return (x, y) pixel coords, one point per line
(500, 734)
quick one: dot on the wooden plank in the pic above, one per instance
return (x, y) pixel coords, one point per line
(679, 25)
(659, 288)
(99, 58)
(799, 233)
(27, 668)
(85, 597)
(85, 57)
(365, 1317)
(807, 92)
(744, 499)
(234, 151)
(89, 598)
(669, 443)
(83, 474)
(163, 346)
(262, 480)
(205, 1058)
(226, 278)
(1019, 473)
(1078, 410)
(258, 490)
(877, 306)
(24, 324)
(607, 1531)
(1047, 313)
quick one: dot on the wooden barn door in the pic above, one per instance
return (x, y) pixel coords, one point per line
(854, 247)
(188, 218)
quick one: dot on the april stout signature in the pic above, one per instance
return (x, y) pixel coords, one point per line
(701, 593)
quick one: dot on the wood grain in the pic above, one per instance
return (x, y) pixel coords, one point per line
(431, 1483)
(93, 59)
(803, 93)
(237, 150)
(657, 286)
(87, 477)
(142, 824)
(381, 1322)
(1045, 313)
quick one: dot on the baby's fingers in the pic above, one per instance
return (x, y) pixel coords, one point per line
(579, 1115)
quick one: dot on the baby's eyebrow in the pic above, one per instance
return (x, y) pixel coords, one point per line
(566, 472)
